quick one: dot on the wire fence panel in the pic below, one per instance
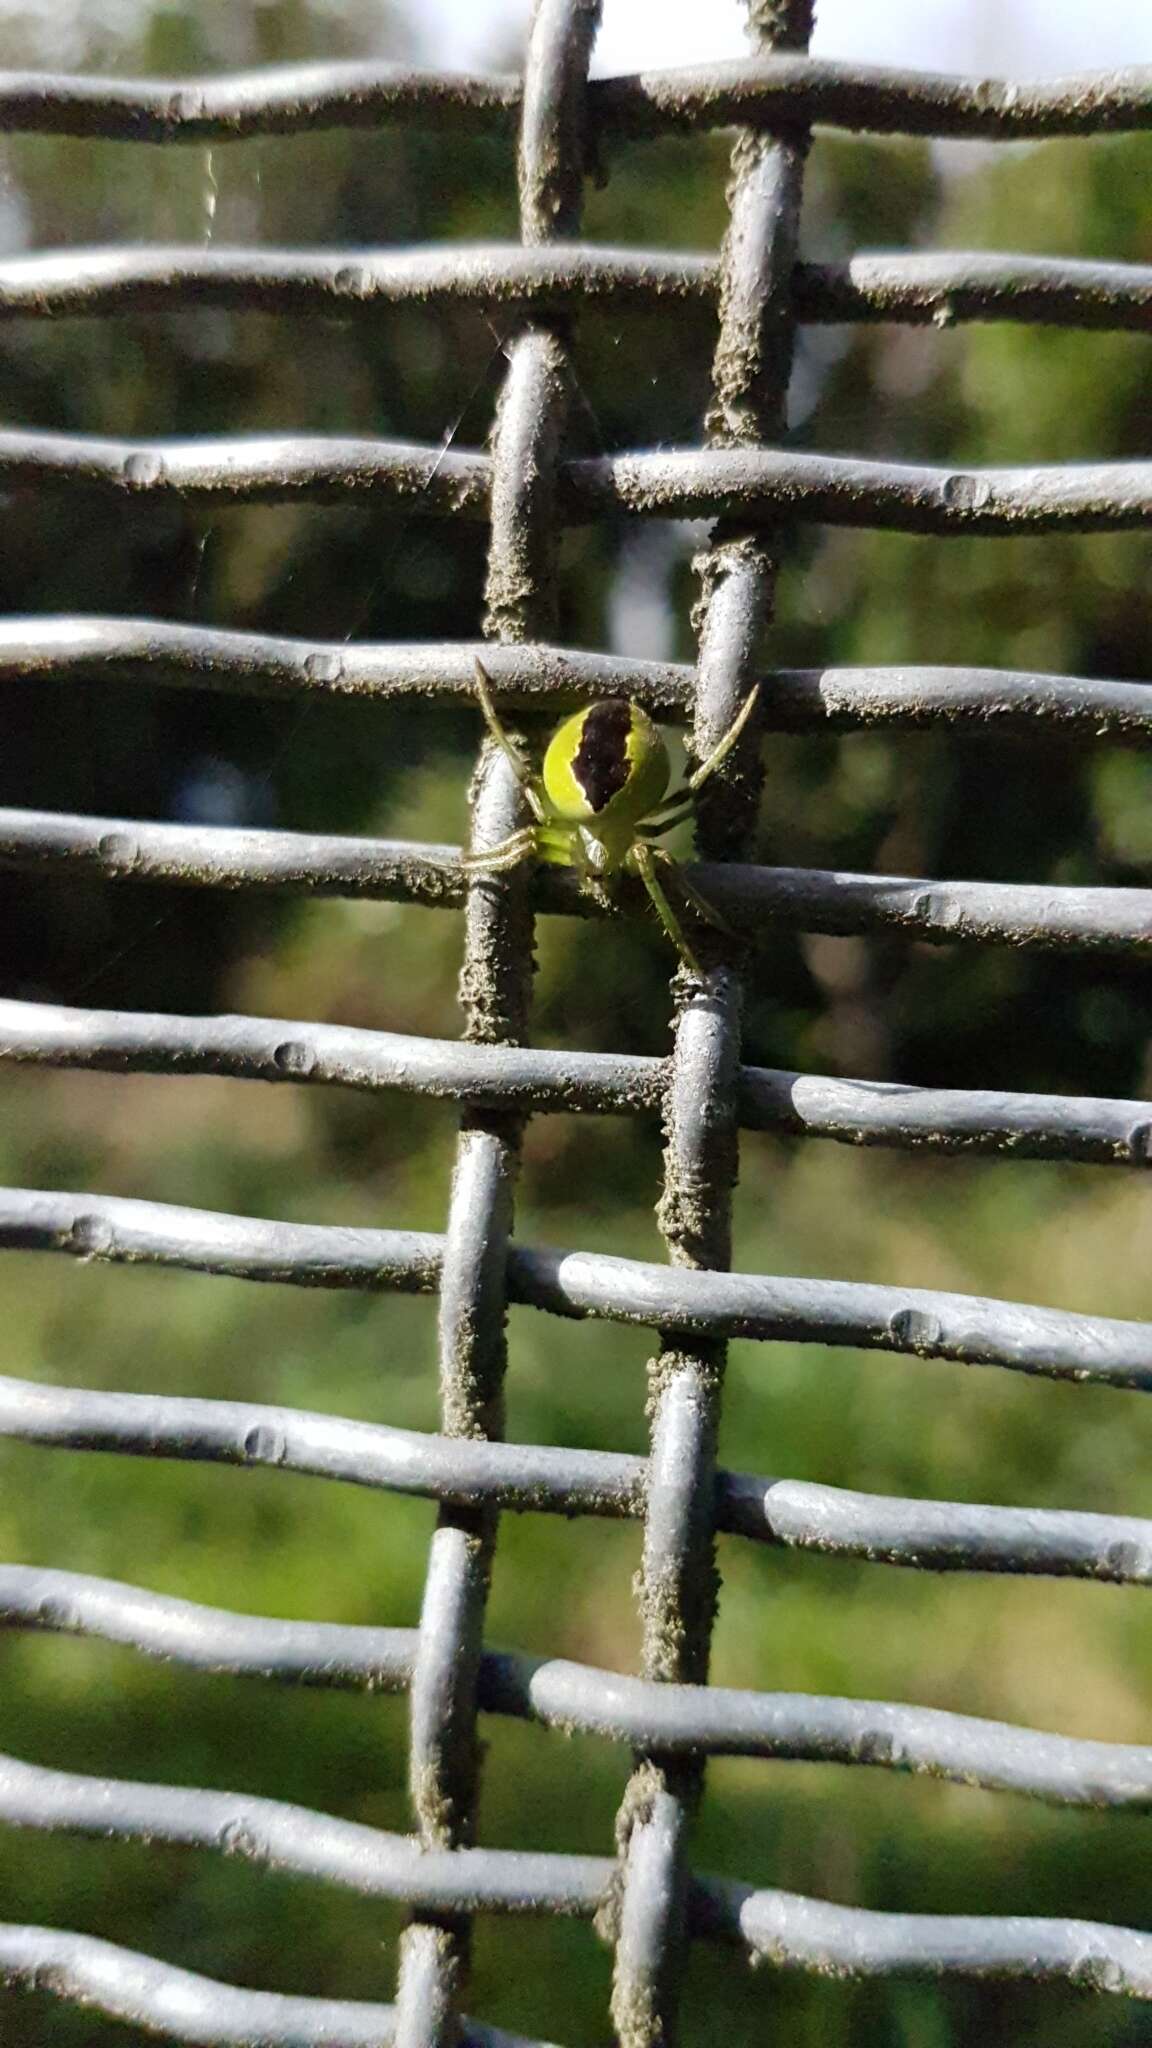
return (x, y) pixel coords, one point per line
(646, 1897)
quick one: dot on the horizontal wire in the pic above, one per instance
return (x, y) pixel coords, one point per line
(806, 1727)
(471, 1471)
(943, 1120)
(779, 1928)
(556, 1693)
(868, 97)
(795, 1513)
(934, 1535)
(272, 1049)
(486, 274)
(1032, 914)
(794, 700)
(183, 2006)
(785, 1929)
(795, 90)
(110, 1229)
(945, 287)
(981, 699)
(281, 99)
(946, 1120)
(941, 287)
(235, 857)
(787, 89)
(684, 483)
(758, 900)
(78, 647)
(302, 1843)
(216, 1639)
(968, 1329)
(682, 1301)
(252, 468)
(843, 490)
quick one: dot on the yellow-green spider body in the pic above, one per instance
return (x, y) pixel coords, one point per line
(601, 798)
(605, 770)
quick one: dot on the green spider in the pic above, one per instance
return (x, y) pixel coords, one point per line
(601, 798)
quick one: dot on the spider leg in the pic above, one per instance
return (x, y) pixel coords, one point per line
(650, 830)
(550, 843)
(720, 752)
(501, 865)
(692, 895)
(507, 746)
(641, 857)
(504, 854)
(674, 797)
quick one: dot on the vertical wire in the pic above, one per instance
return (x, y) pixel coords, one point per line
(738, 575)
(495, 994)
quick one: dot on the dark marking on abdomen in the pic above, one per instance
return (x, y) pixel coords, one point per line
(601, 765)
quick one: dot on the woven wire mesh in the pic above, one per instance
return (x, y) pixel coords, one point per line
(646, 1897)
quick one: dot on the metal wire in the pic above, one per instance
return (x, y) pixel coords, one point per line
(772, 1925)
(678, 1577)
(495, 993)
(185, 2007)
(1107, 1132)
(943, 289)
(689, 1303)
(756, 900)
(778, 1927)
(646, 1897)
(772, 89)
(166, 654)
(759, 485)
(665, 1719)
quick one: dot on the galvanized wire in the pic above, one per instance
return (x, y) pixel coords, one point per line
(647, 1898)
(183, 2006)
(769, 1925)
(688, 1303)
(777, 1927)
(495, 993)
(547, 1479)
(541, 1479)
(167, 654)
(941, 288)
(679, 1583)
(772, 90)
(757, 901)
(760, 485)
(1105, 1131)
(669, 1720)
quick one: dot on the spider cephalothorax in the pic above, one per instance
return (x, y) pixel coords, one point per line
(601, 799)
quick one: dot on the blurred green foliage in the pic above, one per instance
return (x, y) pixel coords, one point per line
(1062, 1656)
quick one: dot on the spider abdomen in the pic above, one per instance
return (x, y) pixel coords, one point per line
(606, 766)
